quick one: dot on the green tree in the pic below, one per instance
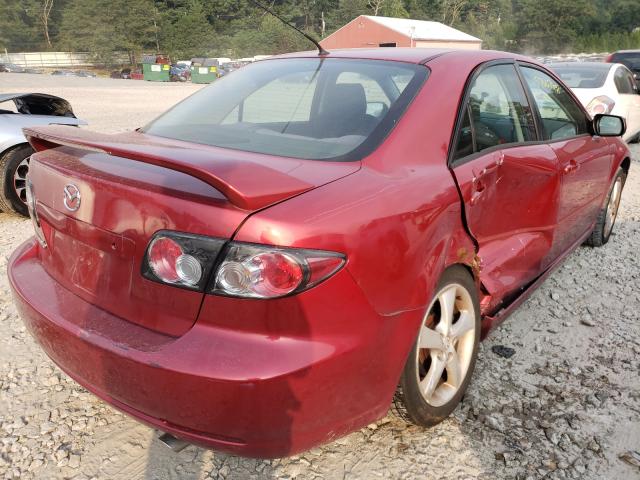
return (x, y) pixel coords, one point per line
(107, 26)
(186, 33)
(550, 26)
(185, 28)
(18, 27)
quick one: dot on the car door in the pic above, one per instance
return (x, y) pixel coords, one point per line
(628, 95)
(584, 160)
(509, 182)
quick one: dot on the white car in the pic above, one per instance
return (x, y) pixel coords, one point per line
(604, 88)
(19, 110)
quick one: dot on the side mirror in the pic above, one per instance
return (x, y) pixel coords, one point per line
(609, 125)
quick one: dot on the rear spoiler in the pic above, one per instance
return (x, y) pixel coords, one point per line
(247, 182)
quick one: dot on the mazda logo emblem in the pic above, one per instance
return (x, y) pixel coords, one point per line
(71, 197)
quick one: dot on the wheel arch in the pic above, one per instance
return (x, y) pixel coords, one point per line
(12, 147)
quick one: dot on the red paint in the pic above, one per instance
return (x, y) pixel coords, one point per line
(246, 179)
(584, 166)
(274, 377)
(515, 231)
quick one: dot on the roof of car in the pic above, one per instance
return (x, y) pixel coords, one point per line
(410, 55)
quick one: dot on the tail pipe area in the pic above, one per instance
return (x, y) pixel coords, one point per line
(172, 442)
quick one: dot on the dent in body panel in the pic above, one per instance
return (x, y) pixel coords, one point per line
(510, 206)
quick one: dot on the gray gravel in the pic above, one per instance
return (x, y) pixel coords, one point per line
(565, 405)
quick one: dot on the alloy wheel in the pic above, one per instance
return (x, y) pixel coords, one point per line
(613, 206)
(20, 180)
(445, 345)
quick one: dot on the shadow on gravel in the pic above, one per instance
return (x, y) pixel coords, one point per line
(389, 449)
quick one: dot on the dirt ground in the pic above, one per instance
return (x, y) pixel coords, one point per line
(566, 405)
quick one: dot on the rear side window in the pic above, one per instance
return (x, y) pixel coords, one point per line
(561, 116)
(310, 108)
(624, 81)
(497, 112)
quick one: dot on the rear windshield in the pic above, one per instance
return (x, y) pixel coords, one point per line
(319, 109)
(631, 60)
(583, 77)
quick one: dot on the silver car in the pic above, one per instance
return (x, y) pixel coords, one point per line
(19, 110)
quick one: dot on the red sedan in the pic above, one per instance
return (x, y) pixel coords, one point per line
(262, 268)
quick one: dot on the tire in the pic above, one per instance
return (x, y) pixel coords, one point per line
(12, 173)
(609, 213)
(409, 401)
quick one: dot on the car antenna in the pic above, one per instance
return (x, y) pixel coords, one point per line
(321, 51)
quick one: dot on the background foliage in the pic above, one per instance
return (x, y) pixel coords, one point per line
(236, 28)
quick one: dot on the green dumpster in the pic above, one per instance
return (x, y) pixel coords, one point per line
(153, 70)
(204, 70)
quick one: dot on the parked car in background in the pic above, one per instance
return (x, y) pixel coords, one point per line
(11, 68)
(607, 88)
(85, 73)
(125, 73)
(630, 59)
(74, 73)
(63, 73)
(17, 111)
(180, 72)
(265, 266)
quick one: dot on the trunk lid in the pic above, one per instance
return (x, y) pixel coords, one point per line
(133, 185)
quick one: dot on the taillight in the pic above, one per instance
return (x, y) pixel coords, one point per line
(259, 271)
(246, 270)
(181, 259)
(601, 104)
(171, 264)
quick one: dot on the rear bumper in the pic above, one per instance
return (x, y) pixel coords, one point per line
(247, 393)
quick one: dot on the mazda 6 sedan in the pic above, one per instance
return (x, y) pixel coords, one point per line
(266, 266)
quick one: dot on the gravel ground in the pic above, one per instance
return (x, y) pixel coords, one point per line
(565, 405)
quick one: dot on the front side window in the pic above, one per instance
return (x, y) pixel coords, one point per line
(318, 109)
(497, 112)
(561, 116)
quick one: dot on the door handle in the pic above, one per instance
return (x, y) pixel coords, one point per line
(572, 166)
(489, 168)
